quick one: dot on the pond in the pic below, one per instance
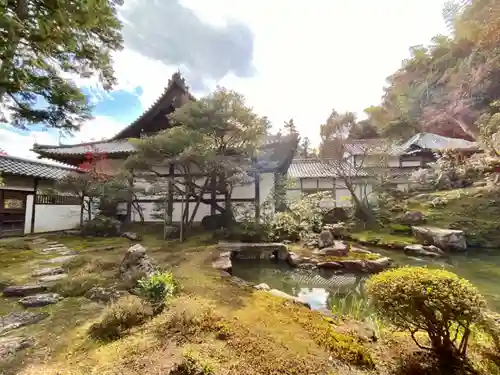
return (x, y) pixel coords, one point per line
(326, 290)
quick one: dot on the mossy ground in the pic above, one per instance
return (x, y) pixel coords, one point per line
(224, 327)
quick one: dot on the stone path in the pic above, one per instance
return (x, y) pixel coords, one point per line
(34, 295)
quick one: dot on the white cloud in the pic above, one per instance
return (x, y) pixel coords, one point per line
(310, 57)
(19, 144)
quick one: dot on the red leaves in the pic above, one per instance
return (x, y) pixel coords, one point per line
(94, 163)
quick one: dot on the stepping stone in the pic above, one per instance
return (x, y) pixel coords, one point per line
(61, 259)
(39, 240)
(15, 320)
(50, 278)
(67, 252)
(11, 345)
(23, 290)
(48, 271)
(40, 300)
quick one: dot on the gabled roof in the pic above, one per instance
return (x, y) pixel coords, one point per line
(314, 168)
(370, 146)
(25, 167)
(435, 142)
(119, 143)
(421, 141)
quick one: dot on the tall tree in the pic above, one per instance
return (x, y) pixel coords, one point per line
(44, 42)
(304, 149)
(214, 137)
(337, 126)
(290, 127)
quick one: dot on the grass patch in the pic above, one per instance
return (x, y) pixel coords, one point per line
(383, 238)
(350, 256)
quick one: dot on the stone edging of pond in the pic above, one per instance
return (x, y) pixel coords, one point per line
(279, 251)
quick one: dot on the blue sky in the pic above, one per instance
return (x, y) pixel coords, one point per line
(291, 59)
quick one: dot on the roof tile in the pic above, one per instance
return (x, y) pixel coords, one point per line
(25, 167)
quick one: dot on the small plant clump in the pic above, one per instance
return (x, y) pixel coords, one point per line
(191, 365)
(158, 288)
(120, 317)
(437, 302)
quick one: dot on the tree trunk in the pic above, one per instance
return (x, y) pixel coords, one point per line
(360, 207)
(82, 211)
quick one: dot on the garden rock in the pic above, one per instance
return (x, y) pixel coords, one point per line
(15, 320)
(411, 218)
(339, 248)
(293, 259)
(446, 239)
(243, 250)
(100, 294)
(262, 286)
(338, 230)
(280, 294)
(51, 278)
(61, 259)
(23, 290)
(136, 262)
(359, 251)
(223, 262)
(40, 300)
(330, 265)
(11, 345)
(325, 239)
(422, 250)
(377, 265)
(48, 271)
(131, 236)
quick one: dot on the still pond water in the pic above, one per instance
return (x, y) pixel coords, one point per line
(324, 290)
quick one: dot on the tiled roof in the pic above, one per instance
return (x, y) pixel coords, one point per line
(107, 147)
(370, 146)
(435, 142)
(312, 168)
(427, 141)
(25, 167)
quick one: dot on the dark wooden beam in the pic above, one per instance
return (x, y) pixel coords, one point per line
(257, 195)
(33, 208)
(170, 197)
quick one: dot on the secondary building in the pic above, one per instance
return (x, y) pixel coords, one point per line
(24, 206)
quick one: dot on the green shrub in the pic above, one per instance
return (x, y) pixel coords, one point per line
(191, 365)
(437, 302)
(119, 317)
(101, 226)
(286, 227)
(400, 229)
(246, 231)
(158, 288)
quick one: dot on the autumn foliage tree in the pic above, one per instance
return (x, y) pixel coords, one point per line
(446, 86)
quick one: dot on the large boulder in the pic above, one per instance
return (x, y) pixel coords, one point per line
(9, 346)
(245, 250)
(337, 248)
(423, 250)
(223, 262)
(445, 239)
(325, 239)
(19, 319)
(135, 264)
(411, 218)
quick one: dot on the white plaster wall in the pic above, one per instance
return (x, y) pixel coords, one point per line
(266, 186)
(53, 217)
(309, 183)
(293, 195)
(410, 163)
(326, 183)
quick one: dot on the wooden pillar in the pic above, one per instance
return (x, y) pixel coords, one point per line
(33, 210)
(170, 197)
(213, 194)
(129, 200)
(257, 195)
(334, 192)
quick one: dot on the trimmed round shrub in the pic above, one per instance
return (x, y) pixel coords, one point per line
(101, 226)
(437, 302)
(122, 315)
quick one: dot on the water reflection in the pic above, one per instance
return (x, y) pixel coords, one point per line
(325, 289)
